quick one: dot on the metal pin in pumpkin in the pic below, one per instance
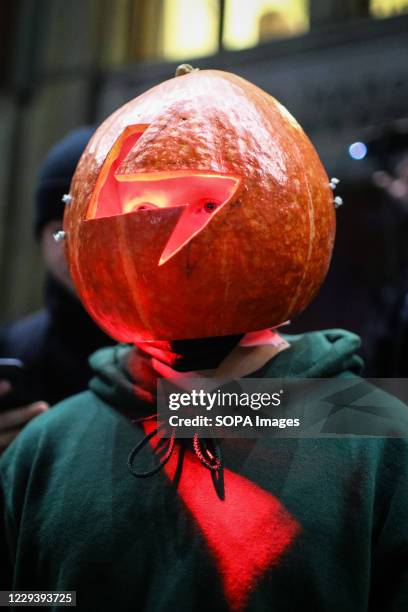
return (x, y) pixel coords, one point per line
(199, 209)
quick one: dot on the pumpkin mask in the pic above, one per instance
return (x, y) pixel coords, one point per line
(198, 209)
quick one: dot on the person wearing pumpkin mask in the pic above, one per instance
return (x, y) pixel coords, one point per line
(55, 342)
(199, 220)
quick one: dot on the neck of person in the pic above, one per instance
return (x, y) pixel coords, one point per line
(220, 357)
(192, 355)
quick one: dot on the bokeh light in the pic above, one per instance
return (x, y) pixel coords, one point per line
(358, 150)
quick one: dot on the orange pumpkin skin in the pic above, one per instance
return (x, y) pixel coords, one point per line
(260, 260)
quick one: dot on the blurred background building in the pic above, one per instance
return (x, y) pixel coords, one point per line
(339, 66)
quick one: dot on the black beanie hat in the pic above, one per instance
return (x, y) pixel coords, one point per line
(55, 176)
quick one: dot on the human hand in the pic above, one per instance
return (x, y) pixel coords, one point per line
(13, 420)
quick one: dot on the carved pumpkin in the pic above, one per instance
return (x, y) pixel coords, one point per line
(198, 209)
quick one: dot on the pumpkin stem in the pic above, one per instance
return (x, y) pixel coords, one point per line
(185, 69)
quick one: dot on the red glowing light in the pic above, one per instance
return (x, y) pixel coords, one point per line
(105, 201)
(247, 532)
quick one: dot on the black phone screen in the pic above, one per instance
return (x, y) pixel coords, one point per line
(13, 371)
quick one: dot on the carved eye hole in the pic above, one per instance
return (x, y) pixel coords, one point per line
(145, 206)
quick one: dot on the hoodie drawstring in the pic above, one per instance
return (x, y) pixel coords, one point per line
(164, 457)
(207, 451)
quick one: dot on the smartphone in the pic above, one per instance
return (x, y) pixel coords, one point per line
(13, 371)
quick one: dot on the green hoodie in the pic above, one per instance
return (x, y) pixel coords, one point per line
(316, 523)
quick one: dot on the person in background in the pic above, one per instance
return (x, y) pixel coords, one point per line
(55, 342)
(389, 150)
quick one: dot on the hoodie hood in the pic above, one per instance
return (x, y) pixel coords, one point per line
(323, 354)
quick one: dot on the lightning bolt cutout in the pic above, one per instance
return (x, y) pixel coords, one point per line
(200, 194)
